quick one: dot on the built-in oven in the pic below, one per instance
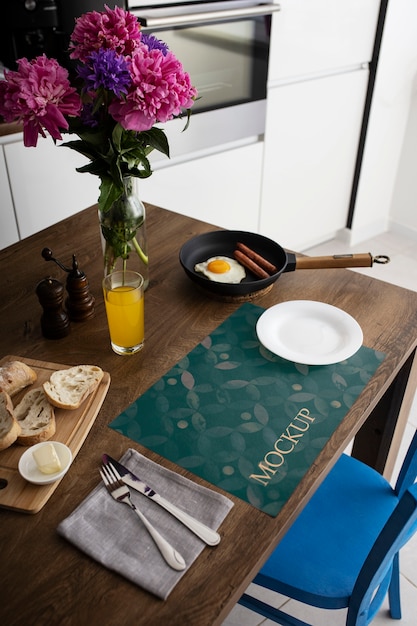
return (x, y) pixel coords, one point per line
(224, 46)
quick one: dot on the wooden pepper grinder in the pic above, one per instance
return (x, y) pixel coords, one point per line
(55, 322)
(80, 302)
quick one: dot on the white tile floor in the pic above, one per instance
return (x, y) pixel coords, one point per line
(402, 271)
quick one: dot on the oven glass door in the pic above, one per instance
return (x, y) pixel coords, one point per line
(227, 58)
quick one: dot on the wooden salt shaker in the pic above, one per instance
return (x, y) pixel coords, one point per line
(80, 302)
(55, 322)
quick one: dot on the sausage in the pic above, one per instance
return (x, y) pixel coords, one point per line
(257, 258)
(250, 265)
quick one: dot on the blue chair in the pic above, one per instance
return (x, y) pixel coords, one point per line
(342, 550)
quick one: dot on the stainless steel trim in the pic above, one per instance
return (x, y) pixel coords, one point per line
(160, 18)
(211, 132)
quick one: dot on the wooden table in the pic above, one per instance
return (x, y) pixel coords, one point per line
(45, 580)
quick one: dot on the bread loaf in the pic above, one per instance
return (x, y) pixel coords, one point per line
(36, 418)
(67, 389)
(15, 376)
(9, 427)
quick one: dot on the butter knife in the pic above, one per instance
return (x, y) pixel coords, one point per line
(207, 534)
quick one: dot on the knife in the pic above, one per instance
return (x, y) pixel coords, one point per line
(208, 535)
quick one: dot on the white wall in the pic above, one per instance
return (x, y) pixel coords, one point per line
(404, 201)
(387, 192)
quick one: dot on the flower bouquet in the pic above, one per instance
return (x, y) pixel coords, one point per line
(122, 83)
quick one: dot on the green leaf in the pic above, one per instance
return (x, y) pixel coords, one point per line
(114, 153)
(117, 136)
(96, 167)
(135, 159)
(116, 174)
(141, 173)
(109, 193)
(95, 138)
(156, 139)
(82, 147)
(188, 120)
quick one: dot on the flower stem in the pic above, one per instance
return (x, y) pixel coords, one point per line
(140, 252)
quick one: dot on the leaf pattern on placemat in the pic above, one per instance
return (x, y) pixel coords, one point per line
(228, 411)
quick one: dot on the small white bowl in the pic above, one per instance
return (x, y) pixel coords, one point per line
(30, 472)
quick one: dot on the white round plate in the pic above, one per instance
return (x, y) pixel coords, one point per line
(309, 332)
(30, 472)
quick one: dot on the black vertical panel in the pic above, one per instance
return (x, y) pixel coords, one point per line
(24, 14)
(68, 10)
(373, 66)
(27, 29)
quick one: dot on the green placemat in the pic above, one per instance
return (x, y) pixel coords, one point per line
(243, 418)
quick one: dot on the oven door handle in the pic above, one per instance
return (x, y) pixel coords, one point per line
(158, 18)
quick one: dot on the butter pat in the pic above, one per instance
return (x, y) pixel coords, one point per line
(47, 459)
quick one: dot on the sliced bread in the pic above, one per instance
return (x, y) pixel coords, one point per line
(9, 427)
(36, 418)
(67, 389)
(15, 376)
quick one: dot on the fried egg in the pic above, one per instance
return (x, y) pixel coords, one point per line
(221, 269)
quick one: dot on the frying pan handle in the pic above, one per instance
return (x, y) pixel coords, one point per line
(340, 260)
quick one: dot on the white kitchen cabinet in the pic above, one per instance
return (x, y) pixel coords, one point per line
(311, 140)
(222, 189)
(8, 227)
(321, 36)
(317, 84)
(44, 184)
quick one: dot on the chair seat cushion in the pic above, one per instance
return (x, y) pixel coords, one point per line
(319, 558)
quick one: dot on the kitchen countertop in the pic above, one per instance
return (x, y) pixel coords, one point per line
(10, 129)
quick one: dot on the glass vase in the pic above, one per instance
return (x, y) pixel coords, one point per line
(123, 231)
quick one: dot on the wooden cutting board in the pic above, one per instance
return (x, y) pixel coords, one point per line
(72, 427)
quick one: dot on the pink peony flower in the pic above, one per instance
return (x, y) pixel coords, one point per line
(115, 29)
(39, 94)
(160, 90)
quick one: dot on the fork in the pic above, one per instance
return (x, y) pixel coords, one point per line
(120, 492)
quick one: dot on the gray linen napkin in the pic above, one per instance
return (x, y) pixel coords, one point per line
(114, 536)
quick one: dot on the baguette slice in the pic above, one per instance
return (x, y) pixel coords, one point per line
(9, 427)
(67, 389)
(15, 376)
(36, 418)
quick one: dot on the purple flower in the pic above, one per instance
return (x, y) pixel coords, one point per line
(152, 43)
(107, 70)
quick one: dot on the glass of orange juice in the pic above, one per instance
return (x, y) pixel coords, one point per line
(124, 300)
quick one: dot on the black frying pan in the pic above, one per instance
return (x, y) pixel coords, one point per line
(223, 242)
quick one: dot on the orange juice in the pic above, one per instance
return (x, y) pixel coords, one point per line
(125, 317)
